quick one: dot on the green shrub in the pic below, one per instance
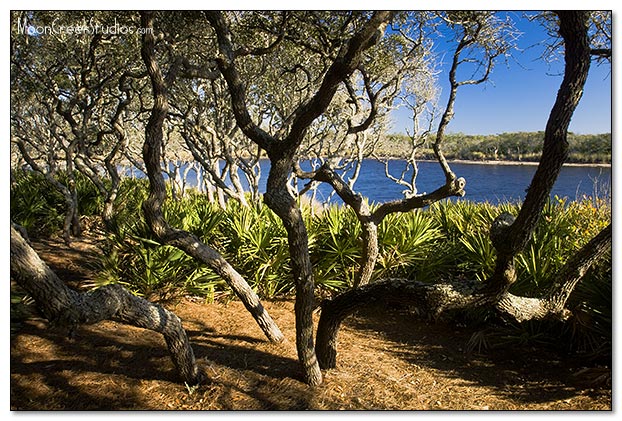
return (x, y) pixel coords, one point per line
(337, 247)
(40, 208)
(256, 242)
(466, 250)
(130, 197)
(563, 228)
(160, 273)
(406, 243)
(36, 204)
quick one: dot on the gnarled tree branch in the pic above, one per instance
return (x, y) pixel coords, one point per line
(573, 29)
(67, 308)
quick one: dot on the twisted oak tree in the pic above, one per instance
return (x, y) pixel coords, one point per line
(282, 154)
(508, 234)
(479, 31)
(72, 104)
(152, 207)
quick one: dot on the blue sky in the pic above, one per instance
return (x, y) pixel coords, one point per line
(520, 94)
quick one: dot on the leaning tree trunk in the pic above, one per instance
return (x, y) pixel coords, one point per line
(152, 207)
(573, 27)
(68, 308)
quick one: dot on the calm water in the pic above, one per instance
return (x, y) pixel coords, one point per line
(492, 183)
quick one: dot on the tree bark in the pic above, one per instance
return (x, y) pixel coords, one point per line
(573, 27)
(110, 194)
(279, 199)
(283, 204)
(552, 304)
(369, 257)
(64, 307)
(152, 207)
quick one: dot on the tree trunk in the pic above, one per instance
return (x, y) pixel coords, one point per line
(152, 207)
(237, 184)
(109, 211)
(281, 153)
(73, 213)
(192, 245)
(69, 222)
(87, 168)
(64, 307)
(283, 204)
(370, 252)
(552, 305)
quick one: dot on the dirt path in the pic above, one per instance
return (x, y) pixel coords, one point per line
(387, 360)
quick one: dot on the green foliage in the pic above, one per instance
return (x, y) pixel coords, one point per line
(36, 204)
(563, 228)
(337, 247)
(251, 239)
(466, 249)
(132, 257)
(407, 242)
(196, 214)
(40, 208)
(132, 192)
(161, 273)
(256, 245)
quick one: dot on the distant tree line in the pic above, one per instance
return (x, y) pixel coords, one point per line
(519, 146)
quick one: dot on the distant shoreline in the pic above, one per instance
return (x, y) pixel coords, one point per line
(517, 163)
(532, 163)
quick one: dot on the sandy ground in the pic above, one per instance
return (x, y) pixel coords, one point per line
(387, 360)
